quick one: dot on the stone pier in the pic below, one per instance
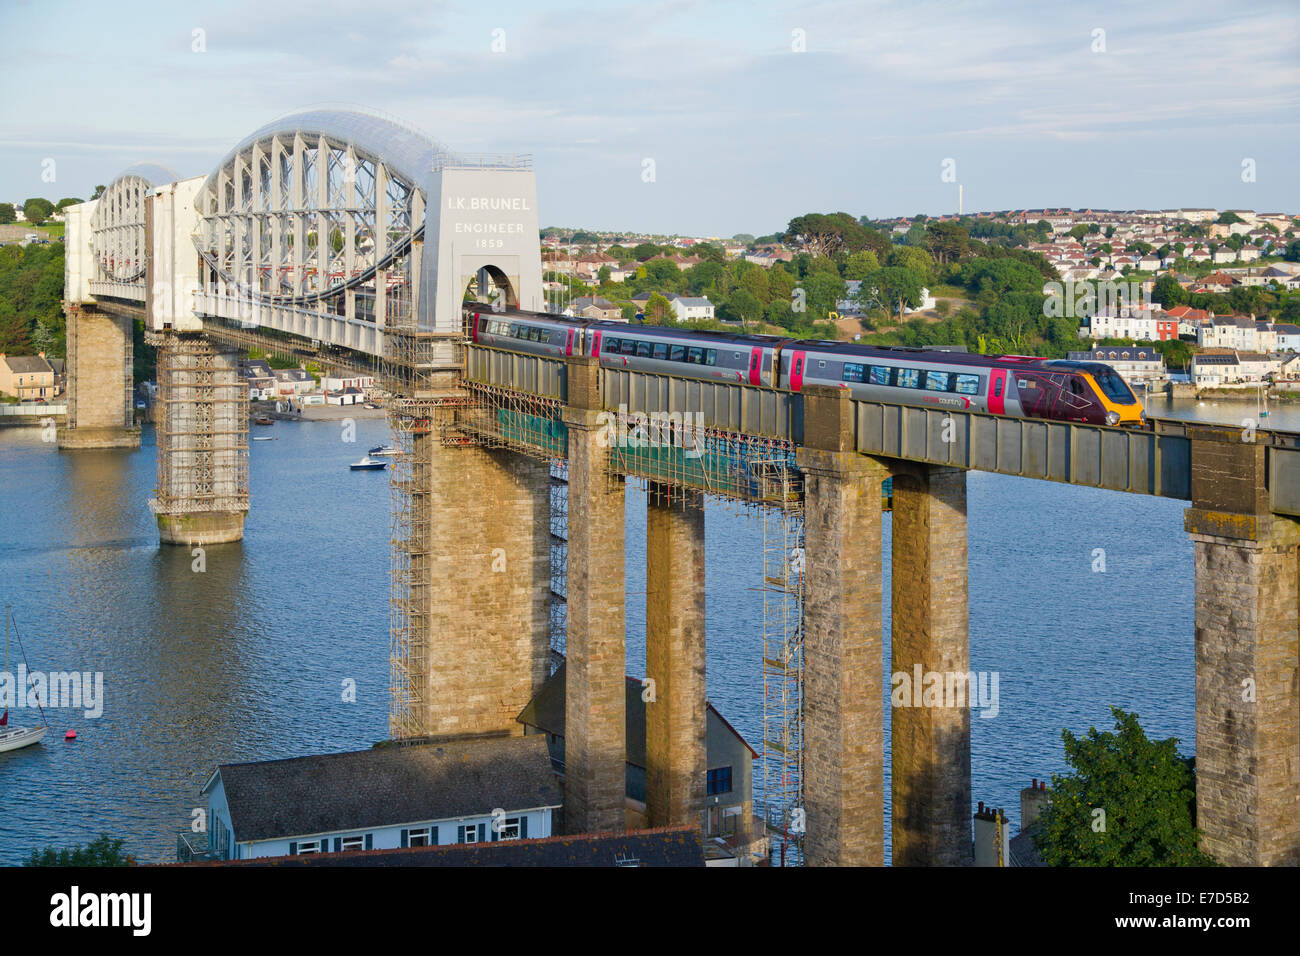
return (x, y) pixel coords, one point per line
(202, 438)
(843, 655)
(595, 743)
(676, 752)
(487, 643)
(930, 744)
(100, 353)
(1247, 653)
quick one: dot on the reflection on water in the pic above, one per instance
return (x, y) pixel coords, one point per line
(247, 659)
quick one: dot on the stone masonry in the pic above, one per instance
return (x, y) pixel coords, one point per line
(930, 745)
(676, 752)
(843, 717)
(100, 354)
(1247, 653)
(595, 745)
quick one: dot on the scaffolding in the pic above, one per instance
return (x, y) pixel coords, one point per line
(202, 432)
(783, 670)
(559, 596)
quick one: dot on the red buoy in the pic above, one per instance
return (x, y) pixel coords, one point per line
(70, 735)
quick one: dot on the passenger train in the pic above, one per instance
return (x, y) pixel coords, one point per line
(1018, 386)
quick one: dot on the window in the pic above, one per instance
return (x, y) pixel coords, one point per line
(997, 389)
(511, 829)
(629, 347)
(353, 843)
(661, 350)
(853, 372)
(718, 781)
(514, 330)
(419, 837)
(643, 349)
(611, 345)
(936, 381)
(695, 356)
(966, 384)
(711, 357)
(309, 846)
(471, 833)
(821, 363)
(677, 353)
(909, 378)
(880, 375)
(534, 335)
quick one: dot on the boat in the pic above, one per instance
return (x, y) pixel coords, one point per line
(13, 738)
(264, 438)
(385, 451)
(263, 420)
(369, 464)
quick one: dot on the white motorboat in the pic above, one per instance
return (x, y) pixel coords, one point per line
(385, 451)
(12, 738)
(369, 464)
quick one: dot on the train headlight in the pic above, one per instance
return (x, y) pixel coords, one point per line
(1112, 418)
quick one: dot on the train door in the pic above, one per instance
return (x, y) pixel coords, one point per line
(473, 327)
(756, 366)
(568, 342)
(998, 391)
(796, 371)
(595, 344)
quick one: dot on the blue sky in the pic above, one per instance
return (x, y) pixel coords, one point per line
(744, 130)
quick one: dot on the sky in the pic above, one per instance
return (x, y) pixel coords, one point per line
(692, 117)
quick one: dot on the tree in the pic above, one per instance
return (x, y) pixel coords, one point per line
(102, 851)
(1130, 801)
(914, 258)
(37, 210)
(1168, 292)
(744, 305)
(825, 234)
(861, 264)
(947, 241)
(7, 213)
(644, 251)
(893, 287)
(1228, 218)
(65, 203)
(659, 310)
(603, 274)
(99, 191)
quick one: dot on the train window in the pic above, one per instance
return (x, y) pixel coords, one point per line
(629, 347)
(534, 335)
(909, 378)
(967, 384)
(695, 356)
(735, 355)
(661, 350)
(643, 349)
(821, 363)
(880, 374)
(711, 357)
(853, 372)
(1076, 386)
(611, 345)
(798, 365)
(936, 381)
(677, 353)
(997, 389)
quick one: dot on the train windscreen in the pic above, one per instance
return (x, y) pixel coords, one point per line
(1115, 388)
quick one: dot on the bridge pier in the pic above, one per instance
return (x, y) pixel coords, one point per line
(1247, 566)
(930, 744)
(595, 743)
(202, 437)
(100, 353)
(676, 722)
(843, 717)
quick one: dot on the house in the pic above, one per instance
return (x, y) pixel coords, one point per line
(260, 378)
(1122, 323)
(1288, 337)
(597, 308)
(691, 308)
(293, 381)
(345, 396)
(677, 846)
(1136, 364)
(728, 781)
(338, 381)
(1229, 331)
(390, 796)
(1215, 368)
(26, 377)
(1288, 367)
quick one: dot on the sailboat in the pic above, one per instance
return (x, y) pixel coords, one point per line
(12, 738)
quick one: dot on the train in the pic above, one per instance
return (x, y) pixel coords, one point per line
(1017, 386)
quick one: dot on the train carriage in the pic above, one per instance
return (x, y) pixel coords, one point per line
(1017, 386)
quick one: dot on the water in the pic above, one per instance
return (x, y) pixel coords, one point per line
(248, 660)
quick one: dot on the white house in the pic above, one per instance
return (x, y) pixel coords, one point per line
(1229, 332)
(688, 308)
(294, 381)
(1288, 337)
(391, 796)
(337, 381)
(1123, 323)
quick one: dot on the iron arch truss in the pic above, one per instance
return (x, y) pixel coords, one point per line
(117, 227)
(318, 214)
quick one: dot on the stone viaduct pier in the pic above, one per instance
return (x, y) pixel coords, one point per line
(361, 239)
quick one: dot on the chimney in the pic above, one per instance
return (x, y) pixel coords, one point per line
(1032, 800)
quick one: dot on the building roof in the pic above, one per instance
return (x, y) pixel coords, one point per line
(386, 785)
(26, 364)
(546, 712)
(664, 846)
(1214, 359)
(694, 301)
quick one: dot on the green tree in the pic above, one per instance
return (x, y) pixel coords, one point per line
(1130, 801)
(644, 251)
(65, 203)
(914, 258)
(1168, 292)
(947, 241)
(99, 191)
(37, 210)
(744, 305)
(659, 311)
(861, 264)
(102, 851)
(894, 288)
(7, 213)
(1228, 218)
(825, 234)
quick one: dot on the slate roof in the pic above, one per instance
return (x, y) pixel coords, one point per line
(666, 846)
(25, 364)
(1023, 851)
(546, 712)
(387, 786)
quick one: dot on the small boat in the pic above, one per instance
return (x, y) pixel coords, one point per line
(264, 438)
(369, 464)
(12, 738)
(385, 451)
(263, 420)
